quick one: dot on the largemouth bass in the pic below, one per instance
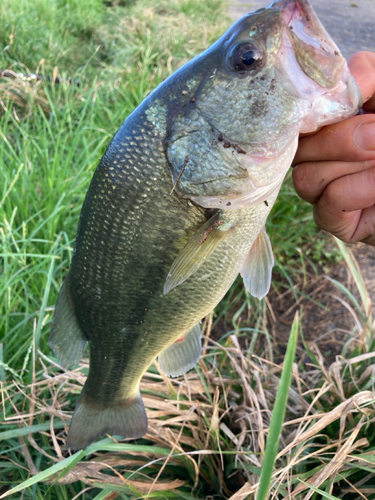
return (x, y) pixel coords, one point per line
(178, 204)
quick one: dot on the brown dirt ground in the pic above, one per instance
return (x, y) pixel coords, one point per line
(331, 326)
(326, 321)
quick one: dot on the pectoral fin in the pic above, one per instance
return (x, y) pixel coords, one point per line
(197, 250)
(66, 338)
(257, 269)
(181, 356)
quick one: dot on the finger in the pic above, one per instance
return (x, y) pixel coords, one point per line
(370, 105)
(347, 207)
(365, 230)
(362, 66)
(350, 140)
(356, 226)
(312, 178)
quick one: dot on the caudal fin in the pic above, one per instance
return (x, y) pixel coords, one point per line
(91, 420)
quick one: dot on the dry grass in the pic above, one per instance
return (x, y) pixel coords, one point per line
(25, 91)
(210, 426)
(208, 429)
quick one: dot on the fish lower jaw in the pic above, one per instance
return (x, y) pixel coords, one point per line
(327, 112)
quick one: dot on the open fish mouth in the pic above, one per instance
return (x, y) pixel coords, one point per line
(302, 20)
(311, 68)
(316, 53)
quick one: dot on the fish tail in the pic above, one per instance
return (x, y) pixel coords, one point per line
(91, 419)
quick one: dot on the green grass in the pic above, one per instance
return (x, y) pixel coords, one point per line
(52, 136)
(278, 415)
(48, 156)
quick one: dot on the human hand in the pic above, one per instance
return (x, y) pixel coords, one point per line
(336, 166)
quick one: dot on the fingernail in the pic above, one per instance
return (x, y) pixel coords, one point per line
(364, 136)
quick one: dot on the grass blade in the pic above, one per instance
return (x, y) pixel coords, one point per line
(23, 431)
(278, 414)
(2, 371)
(42, 476)
(318, 490)
(356, 273)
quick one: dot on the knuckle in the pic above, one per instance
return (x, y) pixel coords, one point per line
(301, 179)
(346, 238)
(331, 194)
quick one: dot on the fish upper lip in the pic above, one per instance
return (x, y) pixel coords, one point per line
(300, 16)
(291, 7)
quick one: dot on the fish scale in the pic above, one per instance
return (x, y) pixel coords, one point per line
(151, 320)
(178, 204)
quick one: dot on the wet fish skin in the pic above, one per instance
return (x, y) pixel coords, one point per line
(148, 263)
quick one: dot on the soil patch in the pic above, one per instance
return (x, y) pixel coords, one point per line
(330, 320)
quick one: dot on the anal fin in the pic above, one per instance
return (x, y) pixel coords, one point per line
(66, 338)
(257, 269)
(183, 354)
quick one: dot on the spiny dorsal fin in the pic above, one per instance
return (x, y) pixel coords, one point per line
(257, 269)
(196, 251)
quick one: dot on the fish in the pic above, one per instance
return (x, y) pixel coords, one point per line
(177, 206)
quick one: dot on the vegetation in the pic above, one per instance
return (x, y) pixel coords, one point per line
(208, 429)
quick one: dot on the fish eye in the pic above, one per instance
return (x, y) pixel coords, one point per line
(245, 57)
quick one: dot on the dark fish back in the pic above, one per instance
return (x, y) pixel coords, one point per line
(126, 244)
